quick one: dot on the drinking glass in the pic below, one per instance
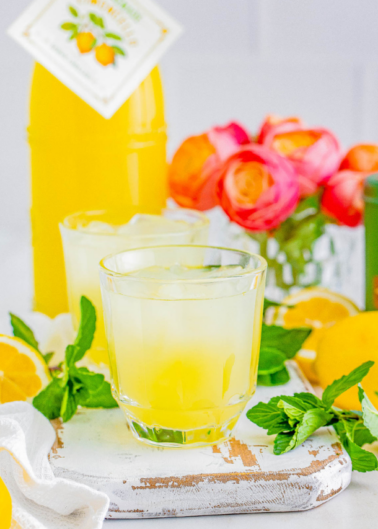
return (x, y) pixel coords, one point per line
(183, 325)
(88, 237)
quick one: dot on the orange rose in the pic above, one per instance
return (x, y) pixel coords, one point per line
(196, 165)
(315, 153)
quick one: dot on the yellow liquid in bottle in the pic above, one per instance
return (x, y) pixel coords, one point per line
(81, 161)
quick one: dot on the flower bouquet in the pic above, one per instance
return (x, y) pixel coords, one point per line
(290, 193)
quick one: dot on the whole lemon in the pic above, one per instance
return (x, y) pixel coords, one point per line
(85, 42)
(105, 55)
(5, 506)
(345, 346)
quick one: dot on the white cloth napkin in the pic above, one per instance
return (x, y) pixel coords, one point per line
(41, 501)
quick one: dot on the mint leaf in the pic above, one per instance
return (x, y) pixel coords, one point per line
(49, 400)
(344, 383)
(293, 407)
(282, 442)
(369, 413)
(101, 398)
(362, 460)
(310, 399)
(91, 381)
(69, 405)
(310, 422)
(362, 435)
(47, 357)
(288, 341)
(268, 416)
(21, 330)
(271, 361)
(275, 379)
(86, 330)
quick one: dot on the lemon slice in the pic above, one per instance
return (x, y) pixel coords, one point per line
(23, 371)
(5, 506)
(314, 307)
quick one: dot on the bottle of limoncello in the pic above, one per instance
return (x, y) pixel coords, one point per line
(82, 161)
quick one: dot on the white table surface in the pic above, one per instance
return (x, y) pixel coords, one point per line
(357, 507)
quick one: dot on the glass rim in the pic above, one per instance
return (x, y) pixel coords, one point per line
(245, 273)
(203, 220)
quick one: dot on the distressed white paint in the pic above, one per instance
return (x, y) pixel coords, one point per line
(239, 476)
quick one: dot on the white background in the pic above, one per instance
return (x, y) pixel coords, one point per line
(238, 59)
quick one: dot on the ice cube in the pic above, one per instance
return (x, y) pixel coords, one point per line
(143, 224)
(97, 226)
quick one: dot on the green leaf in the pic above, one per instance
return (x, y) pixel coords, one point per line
(49, 400)
(312, 420)
(113, 36)
(119, 51)
(97, 21)
(362, 435)
(21, 330)
(271, 361)
(70, 354)
(310, 399)
(269, 303)
(281, 442)
(159, 435)
(268, 416)
(73, 11)
(47, 357)
(293, 407)
(68, 26)
(276, 379)
(91, 381)
(288, 341)
(86, 330)
(344, 383)
(69, 405)
(369, 413)
(362, 460)
(102, 398)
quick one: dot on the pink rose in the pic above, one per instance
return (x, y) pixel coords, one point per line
(343, 197)
(258, 188)
(315, 153)
(196, 165)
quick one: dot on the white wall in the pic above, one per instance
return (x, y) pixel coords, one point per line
(237, 59)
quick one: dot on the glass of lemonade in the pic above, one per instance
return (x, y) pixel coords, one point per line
(90, 236)
(183, 325)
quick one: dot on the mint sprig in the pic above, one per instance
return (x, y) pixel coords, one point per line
(71, 386)
(294, 419)
(277, 346)
(21, 330)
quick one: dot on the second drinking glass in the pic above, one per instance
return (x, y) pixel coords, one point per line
(90, 236)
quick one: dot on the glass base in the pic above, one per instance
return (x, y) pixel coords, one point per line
(163, 437)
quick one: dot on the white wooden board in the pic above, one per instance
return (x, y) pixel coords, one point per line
(239, 476)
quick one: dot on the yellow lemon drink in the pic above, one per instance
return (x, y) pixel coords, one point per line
(183, 325)
(81, 161)
(90, 236)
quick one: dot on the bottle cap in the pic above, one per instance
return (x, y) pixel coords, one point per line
(371, 189)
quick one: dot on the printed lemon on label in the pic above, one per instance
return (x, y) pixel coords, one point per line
(23, 371)
(315, 307)
(345, 346)
(5, 506)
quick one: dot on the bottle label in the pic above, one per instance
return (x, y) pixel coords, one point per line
(100, 49)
